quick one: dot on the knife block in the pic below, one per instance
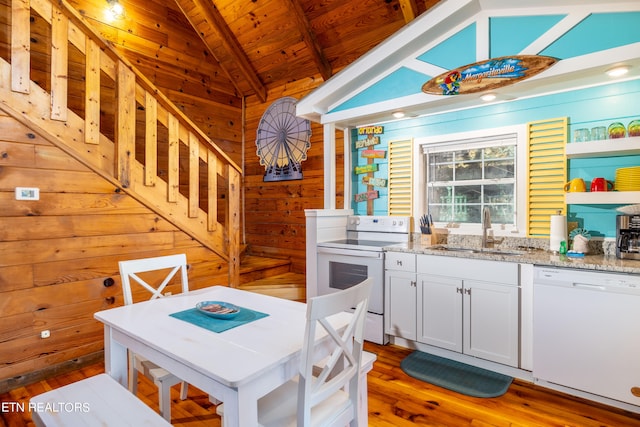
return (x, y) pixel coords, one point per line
(428, 239)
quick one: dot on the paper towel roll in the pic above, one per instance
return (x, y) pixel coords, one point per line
(557, 232)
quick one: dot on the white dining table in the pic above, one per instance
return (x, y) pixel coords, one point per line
(237, 366)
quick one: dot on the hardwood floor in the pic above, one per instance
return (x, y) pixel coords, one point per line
(395, 400)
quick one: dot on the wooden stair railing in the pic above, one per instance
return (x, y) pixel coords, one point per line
(119, 124)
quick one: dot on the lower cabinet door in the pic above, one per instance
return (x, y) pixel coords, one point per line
(440, 308)
(491, 321)
(400, 304)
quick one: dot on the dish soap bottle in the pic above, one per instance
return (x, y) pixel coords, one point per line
(563, 247)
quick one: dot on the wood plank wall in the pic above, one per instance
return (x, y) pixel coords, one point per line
(274, 211)
(157, 39)
(56, 253)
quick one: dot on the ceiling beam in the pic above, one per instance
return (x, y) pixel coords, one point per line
(409, 10)
(205, 18)
(310, 40)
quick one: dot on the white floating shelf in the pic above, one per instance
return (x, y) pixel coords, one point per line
(604, 148)
(603, 198)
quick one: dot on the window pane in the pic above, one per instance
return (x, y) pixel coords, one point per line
(499, 169)
(503, 152)
(468, 170)
(502, 214)
(440, 194)
(499, 162)
(441, 167)
(498, 193)
(464, 180)
(501, 199)
(469, 193)
(441, 172)
(472, 214)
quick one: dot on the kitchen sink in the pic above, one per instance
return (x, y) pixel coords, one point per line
(500, 252)
(488, 251)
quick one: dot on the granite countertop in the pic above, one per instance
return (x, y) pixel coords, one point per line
(599, 262)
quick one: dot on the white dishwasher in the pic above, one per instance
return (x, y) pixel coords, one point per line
(586, 332)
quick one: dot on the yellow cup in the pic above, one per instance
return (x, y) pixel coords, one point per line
(576, 185)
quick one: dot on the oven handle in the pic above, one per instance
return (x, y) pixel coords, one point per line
(350, 252)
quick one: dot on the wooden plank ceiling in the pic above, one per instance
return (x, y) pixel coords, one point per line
(262, 44)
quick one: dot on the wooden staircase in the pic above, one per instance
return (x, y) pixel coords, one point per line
(89, 101)
(116, 122)
(271, 276)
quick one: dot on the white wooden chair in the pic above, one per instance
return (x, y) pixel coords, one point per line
(129, 270)
(332, 396)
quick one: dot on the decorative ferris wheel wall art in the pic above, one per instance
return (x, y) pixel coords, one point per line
(282, 141)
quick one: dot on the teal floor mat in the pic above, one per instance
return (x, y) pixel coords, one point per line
(455, 376)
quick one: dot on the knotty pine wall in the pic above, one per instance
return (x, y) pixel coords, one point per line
(156, 38)
(274, 211)
(56, 253)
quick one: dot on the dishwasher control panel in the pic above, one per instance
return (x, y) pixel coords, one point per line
(587, 279)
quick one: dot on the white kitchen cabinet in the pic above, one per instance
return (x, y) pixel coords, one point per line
(400, 295)
(469, 306)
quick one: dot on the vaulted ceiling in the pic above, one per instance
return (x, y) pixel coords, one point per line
(253, 45)
(261, 43)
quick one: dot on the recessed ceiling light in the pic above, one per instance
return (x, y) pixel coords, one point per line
(488, 97)
(618, 71)
(398, 114)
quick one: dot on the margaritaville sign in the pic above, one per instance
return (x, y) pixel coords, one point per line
(489, 74)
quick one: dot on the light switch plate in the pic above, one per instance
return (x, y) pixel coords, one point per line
(27, 193)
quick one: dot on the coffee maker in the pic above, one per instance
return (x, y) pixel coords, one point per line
(628, 236)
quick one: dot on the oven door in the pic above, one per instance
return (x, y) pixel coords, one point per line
(340, 269)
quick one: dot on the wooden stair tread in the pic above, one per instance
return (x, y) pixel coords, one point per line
(291, 286)
(289, 280)
(252, 263)
(254, 268)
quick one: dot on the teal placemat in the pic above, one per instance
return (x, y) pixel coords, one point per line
(193, 316)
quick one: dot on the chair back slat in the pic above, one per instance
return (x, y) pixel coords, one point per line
(129, 271)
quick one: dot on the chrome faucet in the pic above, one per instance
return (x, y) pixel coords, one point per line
(486, 224)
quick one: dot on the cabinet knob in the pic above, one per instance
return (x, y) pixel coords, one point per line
(459, 290)
(399, 262)
(108, 282)
(635, 391)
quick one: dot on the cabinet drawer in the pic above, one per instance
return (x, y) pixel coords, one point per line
(400, 261)
(465, 268)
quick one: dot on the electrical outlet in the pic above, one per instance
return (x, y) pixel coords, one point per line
(27, 193)
(45, 334)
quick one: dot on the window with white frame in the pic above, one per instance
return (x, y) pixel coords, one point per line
(464, 176)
